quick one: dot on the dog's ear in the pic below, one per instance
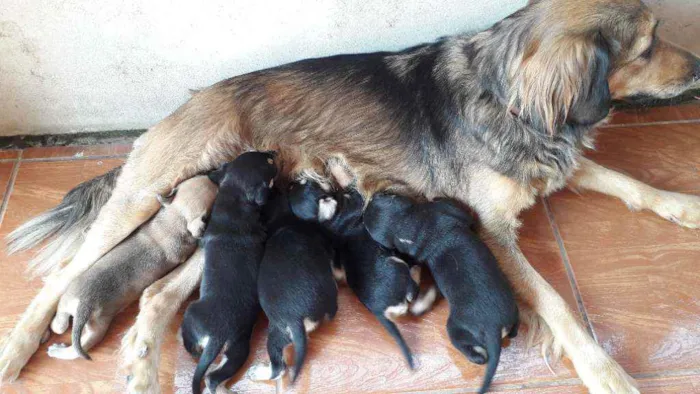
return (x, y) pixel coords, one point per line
(563, 79)
(217, 175)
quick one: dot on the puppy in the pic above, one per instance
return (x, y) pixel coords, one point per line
(296, 285)
(439, 233)
(382, 281)
(119, 277)
(228, 307)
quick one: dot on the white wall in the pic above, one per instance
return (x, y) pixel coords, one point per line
(93, 65)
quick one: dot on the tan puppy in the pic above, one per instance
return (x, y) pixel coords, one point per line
(120, 276)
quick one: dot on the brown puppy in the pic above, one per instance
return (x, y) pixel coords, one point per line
(493, 120)
(118, 278)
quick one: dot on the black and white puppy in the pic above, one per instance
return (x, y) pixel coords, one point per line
(234, 242)
(295, 283)
(382, 281)
(482, 307)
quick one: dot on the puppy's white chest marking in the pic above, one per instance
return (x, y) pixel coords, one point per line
(326, 209)
(405, 241)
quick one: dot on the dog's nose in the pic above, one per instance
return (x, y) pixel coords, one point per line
(696, 70)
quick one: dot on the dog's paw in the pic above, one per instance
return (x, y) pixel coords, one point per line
(140, 364)
(682, 209)
(196, 227)
(603, 375)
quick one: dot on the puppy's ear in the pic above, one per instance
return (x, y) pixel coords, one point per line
(261, 194)
(217, 175)
(562, 79)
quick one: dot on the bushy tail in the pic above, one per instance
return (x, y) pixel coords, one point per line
(211, 350)
(66, 224)
(299, 341)
(80, 319)
(396, 334)
(494, 351)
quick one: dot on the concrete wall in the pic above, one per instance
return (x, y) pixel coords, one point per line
(85, 65)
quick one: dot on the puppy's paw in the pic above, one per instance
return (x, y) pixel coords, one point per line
(197, 226)
(603, 375)
(682, 209)
(260, 372)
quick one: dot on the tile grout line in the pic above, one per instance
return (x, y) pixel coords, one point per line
(660, 123)
(10, 188)
(569, 269)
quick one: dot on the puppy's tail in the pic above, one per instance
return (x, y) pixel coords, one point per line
(396, 334)
(299, 341)
(66, 223)
(493, 345)
(211, 350)
(82, 315)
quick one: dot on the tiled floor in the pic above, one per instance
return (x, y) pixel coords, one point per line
(633, 276)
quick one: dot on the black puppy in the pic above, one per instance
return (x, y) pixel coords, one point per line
(382, 281)
(228, 307)
(295, 283)
(482, 307)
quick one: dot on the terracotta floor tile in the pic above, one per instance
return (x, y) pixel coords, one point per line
(554, 389)
(671, 385)
(689, 111)
(5, 176)
(638, 278)
(666, 157)
(6, 154)
(76, 151)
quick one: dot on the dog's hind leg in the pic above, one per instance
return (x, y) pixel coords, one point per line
(197, 137)
(277, 340)
(140, 349)
(682, 209)
(234, 358)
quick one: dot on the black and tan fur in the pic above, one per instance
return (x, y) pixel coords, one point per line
(492, 119)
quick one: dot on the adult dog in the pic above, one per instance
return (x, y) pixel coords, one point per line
(493, 119)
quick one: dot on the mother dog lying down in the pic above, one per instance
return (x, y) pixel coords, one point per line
(492, 119)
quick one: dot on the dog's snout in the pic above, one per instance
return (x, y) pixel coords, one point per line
(696, 70)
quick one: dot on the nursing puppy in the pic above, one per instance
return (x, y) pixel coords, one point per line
(439, 233)
(295, 283)
(121, 275)
(383, 282)
(228, 307)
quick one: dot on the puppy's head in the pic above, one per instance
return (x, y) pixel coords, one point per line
(310, 201)
(382, 215)
(253, 173)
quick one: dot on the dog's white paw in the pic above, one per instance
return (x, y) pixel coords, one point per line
(682, 209)
(603, 375)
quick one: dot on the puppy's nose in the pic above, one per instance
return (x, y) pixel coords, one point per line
(696, 70)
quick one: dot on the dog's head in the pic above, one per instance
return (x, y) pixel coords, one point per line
(310, 201)
(567, 59)
(252, 172)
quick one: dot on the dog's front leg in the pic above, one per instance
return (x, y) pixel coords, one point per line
(140, 350)
(682, 209)
(598, 371)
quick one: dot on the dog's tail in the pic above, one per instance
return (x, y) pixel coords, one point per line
(66, 223)
(209, 353)
(82, 315)
(299, 341)
(396, 334)
(493, 345)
